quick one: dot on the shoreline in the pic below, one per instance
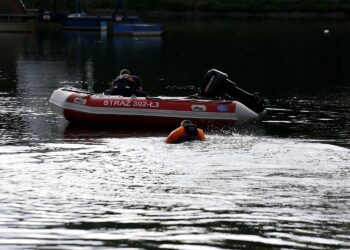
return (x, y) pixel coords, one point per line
(197, 14)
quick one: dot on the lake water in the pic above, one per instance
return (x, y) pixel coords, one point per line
(282, 183)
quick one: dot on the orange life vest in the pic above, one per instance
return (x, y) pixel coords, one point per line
(185, 133)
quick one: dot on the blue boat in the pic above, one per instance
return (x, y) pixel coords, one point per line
(122, 26)
(121, 23)
(128, 25)
(85, 22)
(79, 20)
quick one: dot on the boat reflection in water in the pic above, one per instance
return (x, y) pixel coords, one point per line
(73, 132)
(137, 50)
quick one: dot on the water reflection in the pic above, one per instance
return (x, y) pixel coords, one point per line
(13, 127)
(142, 55)
(323, 118)
(76, 132)
(271, 186)
(38, 64)
(289, 61)
(11, 49)
(271, 56)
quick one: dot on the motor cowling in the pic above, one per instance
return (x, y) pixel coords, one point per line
(212, 83)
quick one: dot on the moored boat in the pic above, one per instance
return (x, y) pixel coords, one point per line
(89, 108)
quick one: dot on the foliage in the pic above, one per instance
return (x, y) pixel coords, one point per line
(220, 6)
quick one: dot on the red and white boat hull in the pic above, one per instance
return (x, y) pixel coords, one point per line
(79, 106)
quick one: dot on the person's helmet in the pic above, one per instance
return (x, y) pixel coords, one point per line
(124, 72)
(186, 122)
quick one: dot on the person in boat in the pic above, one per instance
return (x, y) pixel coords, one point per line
(186, 132)
(127, 85)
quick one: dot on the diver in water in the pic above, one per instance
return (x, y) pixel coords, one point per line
(186, 132)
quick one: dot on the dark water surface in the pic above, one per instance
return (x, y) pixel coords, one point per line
(280, 184)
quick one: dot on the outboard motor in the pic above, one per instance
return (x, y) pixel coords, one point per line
(212, 83)
(216, 84)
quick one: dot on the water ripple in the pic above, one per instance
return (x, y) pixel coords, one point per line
(140, 192)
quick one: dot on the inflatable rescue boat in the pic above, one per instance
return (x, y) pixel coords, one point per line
(214, 105)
